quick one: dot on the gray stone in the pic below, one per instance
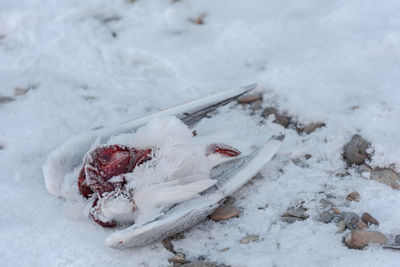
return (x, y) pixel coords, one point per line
(307, 156)
(279, 119)
(5, 99)
(369, 219)
(386, 176)
(298, 212)
(355, 151)
(229, 200)
(256, 105)
(291, 219)
(300, 162)
(326, 203)
(326, 217)
(397, 239)
(392, 246)
(359, 239)
(351, 219)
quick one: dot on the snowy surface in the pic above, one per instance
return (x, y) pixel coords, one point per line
(98, 62)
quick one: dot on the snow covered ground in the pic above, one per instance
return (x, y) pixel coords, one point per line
(84, 64)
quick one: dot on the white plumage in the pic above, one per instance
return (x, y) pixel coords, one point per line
(178, 171)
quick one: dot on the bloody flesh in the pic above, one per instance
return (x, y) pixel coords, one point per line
(222, 149)
(104, 163)
(100, 166)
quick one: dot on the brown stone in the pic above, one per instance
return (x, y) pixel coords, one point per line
(256, 105)
(311, 127)
(204, 264)
(336, 211)
(353, 196)
(362, 225)
(178, 258)
(247, 99)
(369, 219)
(199, 20)
(359, 239)
(279, 119)
(224, 213)
(18, 91)
(168, 245)
(342, 227)
(386, 176)
(249, 238)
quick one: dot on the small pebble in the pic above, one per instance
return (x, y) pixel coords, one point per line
(311, 127)
(362, 225)
(18, 91)
(386, 176)
(296, 212)
(249, 238)
(229, 200)
(249, 98)
(368, 218)
(326, 217)
(336, 211)
(204, 264)
(326, 203)
(355, 151)
(359, 239)
(201, 258)
(307, 156)
(256, 105)
(353, 196)
(291, 219)
(178, 258)
(279, 119)
(224, 213)
(5, 99)
(168, 245)
(342, 227)
(351, 219)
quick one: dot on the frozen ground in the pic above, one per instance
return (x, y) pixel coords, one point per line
(100, 62)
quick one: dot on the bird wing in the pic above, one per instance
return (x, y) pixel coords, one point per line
(167, 193)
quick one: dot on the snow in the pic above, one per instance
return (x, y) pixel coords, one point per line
(336, 62)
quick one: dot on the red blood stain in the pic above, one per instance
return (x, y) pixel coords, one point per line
(93, 213)
(222, 149)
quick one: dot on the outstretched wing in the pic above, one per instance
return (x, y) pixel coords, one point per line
(67, 157)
